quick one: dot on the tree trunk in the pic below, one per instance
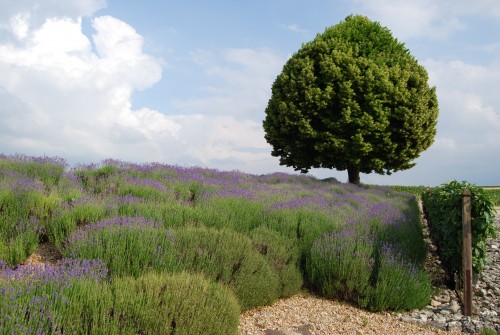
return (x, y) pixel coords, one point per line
(353, 173)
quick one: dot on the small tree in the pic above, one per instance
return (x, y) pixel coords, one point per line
(352, 99)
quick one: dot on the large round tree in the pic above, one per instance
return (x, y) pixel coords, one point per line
(352, 99)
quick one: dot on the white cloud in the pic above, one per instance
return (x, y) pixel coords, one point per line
(432, 19)
(59, 97)
(467, 143)
(243, 82)
(19, 25)
(211, 138)
(224, 128)
(294, 27)
(40, 11)
(64, 93)
(444, 144)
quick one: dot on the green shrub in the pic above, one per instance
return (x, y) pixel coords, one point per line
(104, 180)
(25, 206)
(303, 224)
(128, 246)
(49, 170)
(191, 193)
(443, 206)
(340, 265)
(68, 217)
(65, 299)
(152, 304)
(238, 214)
(399, 285)
(494, 195)
(417, 191)
(145, 188)
(353, 264)
(229, 258)
(403, 230)
(283, 254)
(181, 304)
(17, 249)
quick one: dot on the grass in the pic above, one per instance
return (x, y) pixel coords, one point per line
(247, 239)
(494, 194)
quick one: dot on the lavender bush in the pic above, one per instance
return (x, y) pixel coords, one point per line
(127, 245)
(340, 264)
(181, 304)
(283, 254)
(399, 284)
(229, 258)
(78, 212)
(23, 205)
(49, 170)
(39, 299)
(357, 263)
(261, 236)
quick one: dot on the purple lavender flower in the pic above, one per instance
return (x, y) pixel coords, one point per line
(153, 183)
(65, 270)
(118, 222)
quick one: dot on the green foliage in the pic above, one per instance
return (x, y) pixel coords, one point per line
(340, 265)
(99, 180)
(181, 304)
(443, 206)
(143, 191)
(239, 214)
(18, 248)
(257, 236)
(48, 170)
(415, 190)
(494, 195)
(354, 264)
(151, 304)
(67, 218)
(376, 260)
(406, 235)
(303, 224)
(283, 254)
(128, 246)
(488, 331)
(399, 285)
(25, 206)
(229, 258)
(353, 98)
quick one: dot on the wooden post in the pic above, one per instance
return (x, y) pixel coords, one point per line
(467, 251)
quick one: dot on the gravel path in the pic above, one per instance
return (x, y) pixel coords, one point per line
(310, 315)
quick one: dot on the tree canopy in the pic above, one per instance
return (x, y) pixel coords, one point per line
(353, 99)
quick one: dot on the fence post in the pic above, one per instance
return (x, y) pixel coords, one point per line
(467, 251)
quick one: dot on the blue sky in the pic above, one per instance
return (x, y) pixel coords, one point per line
(187, 82)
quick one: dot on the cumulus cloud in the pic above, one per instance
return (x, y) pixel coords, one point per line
(59, 96)
(223, 127)
(242, 80)
(39, 12)
(216, 140)
(294, 27)
(432, 19)
(65, 93)
(467, 143)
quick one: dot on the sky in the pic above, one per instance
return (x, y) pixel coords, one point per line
(187, 82)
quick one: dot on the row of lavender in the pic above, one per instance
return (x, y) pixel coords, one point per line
(263, 237)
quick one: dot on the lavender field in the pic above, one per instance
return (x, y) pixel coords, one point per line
(162, 249)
